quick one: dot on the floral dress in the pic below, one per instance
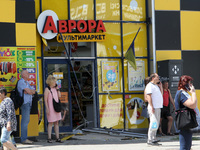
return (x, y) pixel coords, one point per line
(7, 113)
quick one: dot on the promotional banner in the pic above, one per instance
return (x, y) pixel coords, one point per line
(111, 111)
(136, 112)
(12, 61)
(136, 78)
(110, 75)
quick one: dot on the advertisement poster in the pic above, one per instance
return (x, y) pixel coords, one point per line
(136, 112)
(12, 61)
(136, 78)
(110, 75)
(111, 112)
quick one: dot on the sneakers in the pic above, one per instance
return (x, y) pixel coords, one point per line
(153, 144)
(27, 141)
(155, 141)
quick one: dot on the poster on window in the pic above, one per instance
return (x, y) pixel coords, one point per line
(110, 75)
(12, 61)
(136, 77)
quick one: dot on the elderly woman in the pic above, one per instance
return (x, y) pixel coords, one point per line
(8, 120)
(185, 86)
(53, 117)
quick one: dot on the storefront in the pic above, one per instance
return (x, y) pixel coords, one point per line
(99, 82)
(99, 87)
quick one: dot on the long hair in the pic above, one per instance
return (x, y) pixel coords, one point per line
(183, 81)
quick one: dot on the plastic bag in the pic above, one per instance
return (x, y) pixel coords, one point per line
(153, 123)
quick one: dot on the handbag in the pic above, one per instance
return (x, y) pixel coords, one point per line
(185, 117)
(56, 105)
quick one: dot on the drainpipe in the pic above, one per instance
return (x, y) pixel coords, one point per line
(153, 35)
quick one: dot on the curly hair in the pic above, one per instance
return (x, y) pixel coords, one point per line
(50, 80)
(183, 81)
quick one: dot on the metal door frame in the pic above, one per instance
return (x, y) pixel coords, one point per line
(60, 61)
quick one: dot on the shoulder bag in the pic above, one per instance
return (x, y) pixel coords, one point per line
(56, 105)
(185, 117)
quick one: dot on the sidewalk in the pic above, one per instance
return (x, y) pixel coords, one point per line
(91, 141)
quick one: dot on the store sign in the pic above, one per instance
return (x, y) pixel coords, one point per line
(49, 26)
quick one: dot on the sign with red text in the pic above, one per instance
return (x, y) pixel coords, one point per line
(49, 26)
(111, 112)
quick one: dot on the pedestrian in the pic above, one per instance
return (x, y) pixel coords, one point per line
(165, 111)
(185, 85)
(146, 81)
(8, 119)
(53, 117)
(25, 91)
(155, 103)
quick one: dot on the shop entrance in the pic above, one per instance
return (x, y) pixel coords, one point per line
(77, 89)
(83, 93)
(60, 70)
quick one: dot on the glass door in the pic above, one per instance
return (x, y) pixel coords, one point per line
(59, 69)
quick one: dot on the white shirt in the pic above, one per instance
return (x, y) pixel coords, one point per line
(156, 95)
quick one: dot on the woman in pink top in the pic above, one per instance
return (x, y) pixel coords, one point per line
(53, 117)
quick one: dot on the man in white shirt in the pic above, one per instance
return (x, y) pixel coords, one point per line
(154, 96)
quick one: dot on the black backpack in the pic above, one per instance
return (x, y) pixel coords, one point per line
(16, 98)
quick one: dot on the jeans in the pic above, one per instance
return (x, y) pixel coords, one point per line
(185, 139)
(5, 135)
(25, 112)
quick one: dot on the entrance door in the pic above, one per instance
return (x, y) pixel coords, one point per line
(83, 93)
(59, 69)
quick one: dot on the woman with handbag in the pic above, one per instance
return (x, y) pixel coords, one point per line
(184, 100)
(8, 120)
(51, 94)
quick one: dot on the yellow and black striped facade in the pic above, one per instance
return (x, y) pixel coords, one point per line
(18, 29)
(178, 35)
(176, 28)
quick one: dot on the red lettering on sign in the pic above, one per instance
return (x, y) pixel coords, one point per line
(49, 25)
(71, 25)
(79, 26)
(100, 26)
(62, 26)
(91, 25)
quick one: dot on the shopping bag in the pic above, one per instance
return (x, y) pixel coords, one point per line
(154, 123)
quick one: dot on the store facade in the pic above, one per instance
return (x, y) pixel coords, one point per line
(96, 75)
(99, 87)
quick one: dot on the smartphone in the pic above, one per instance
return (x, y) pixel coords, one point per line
(56, 85)
(187, 87)
(158, 82)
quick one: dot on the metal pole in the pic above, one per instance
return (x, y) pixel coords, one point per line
(153, 35)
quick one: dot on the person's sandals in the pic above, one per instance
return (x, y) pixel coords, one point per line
(170, 134)
(59, 141)
(27, 141)
(49, 141)
(162, 134)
